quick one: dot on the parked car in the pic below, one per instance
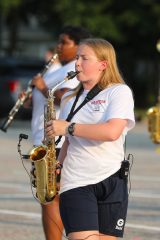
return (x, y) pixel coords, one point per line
(15, 74)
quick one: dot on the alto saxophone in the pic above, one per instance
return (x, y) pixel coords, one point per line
(153, 116)
(43, 157)
(21, 101)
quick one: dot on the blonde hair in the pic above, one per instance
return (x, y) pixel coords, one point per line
(104, 51)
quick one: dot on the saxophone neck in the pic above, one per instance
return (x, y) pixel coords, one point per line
(70, 76)
(52, 91)
(49, 114)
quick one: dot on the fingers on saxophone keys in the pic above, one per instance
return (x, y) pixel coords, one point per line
(50, 132)
(49, 123)
(49, 129)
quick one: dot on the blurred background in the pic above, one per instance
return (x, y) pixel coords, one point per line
(29, 27)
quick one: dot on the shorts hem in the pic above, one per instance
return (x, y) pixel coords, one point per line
(112, 234)
(82, 229)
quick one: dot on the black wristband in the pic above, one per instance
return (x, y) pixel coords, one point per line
(71, 128)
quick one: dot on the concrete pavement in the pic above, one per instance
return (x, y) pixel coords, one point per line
(20, 216)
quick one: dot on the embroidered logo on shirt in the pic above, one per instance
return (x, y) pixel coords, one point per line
(120, 224)
(96, 104)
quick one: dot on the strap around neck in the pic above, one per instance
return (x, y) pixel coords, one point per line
(91, 94)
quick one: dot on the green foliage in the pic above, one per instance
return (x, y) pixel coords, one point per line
(118, 21)
(6, 5)
(132, 26)
(94, 15)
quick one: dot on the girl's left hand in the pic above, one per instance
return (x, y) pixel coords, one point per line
(56, 128)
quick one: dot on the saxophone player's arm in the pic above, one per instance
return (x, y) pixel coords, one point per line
(28, 101)
(40, 84)
(60, 161)
(107, 131)
(58, 95)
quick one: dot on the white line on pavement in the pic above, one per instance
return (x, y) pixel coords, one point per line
(145, 195)
(133, 177)
(23, 186)
(38, 216)
(143, 227)
(14, 196)
(20, 213)
(133, 194)
(145, 178)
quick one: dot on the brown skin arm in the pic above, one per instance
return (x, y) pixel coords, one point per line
(63, 151)
(39, 83)
(61, 157)
(28, 101)
(58, 95)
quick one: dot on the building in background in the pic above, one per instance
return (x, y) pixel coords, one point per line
(32, 40)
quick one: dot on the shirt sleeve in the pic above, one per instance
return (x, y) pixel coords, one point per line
(59, 75)
(121, 105)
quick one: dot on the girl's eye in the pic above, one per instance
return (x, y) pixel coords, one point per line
(85, 58)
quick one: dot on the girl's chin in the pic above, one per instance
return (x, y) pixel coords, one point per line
(80, 79)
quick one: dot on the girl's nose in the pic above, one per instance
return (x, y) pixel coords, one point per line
(77, 62)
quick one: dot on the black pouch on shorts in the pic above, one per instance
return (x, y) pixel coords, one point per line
(124, 170)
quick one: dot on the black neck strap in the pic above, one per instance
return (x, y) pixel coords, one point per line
(91, 94)
(70, 115)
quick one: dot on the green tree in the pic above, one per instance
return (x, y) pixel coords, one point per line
(128, 24)
(132, 26)
(10, 11)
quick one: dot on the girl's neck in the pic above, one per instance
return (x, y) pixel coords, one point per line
(89, 85)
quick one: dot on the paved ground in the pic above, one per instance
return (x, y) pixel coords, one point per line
(20, 217)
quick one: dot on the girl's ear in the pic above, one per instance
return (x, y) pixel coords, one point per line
(103, 65)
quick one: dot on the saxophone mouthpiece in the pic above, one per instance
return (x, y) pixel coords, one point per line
(72, 74)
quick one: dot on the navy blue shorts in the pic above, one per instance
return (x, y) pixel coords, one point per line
(102, 207)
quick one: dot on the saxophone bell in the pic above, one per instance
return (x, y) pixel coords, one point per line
(43, 176)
